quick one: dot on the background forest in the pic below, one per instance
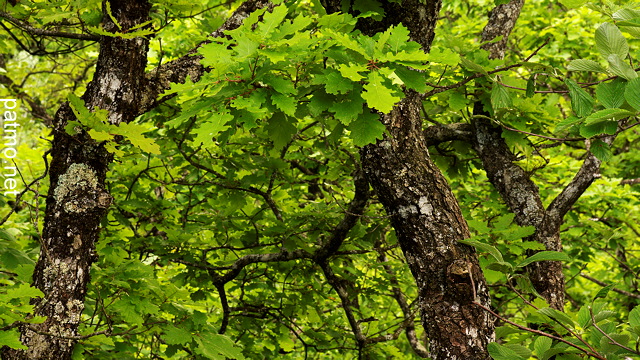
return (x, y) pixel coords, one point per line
(268, 193)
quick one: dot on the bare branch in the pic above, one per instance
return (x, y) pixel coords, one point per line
(437, 134)
(25, 26)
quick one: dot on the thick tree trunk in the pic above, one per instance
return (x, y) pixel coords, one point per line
(519, 192)
(77, 198)
(428, 224)
(423, 210)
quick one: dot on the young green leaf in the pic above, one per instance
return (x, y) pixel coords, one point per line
(604, 127)
(559, 316)
(11, 338)
(603, 292)
(501, 352)
(379, 96)
(541, 345)
(484, 247)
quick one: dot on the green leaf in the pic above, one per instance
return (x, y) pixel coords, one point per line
(603, 292)
(531, 86)
(607, 115)
(609, 40)
(470, 65)
(573, 3)
(500, 97)
(352, 71)
(133, 133)
(377, 95)
(545, 256)
(211, 127)
(444, 56)
(620, 67)
(584, 317)
(398, 38)
(22, 291)
(286, 103)
(567, 123)
(601, 150)
(11, 338)
(559, 316)
(280, 130)
(634, 316)
(334, 82)
(216, 346)
(605, 127)
(349, 109)
(541, 345)
(585, 65)
(271, 20)
(611, 93)
(581, 101)
(175, 335)
(484, 247)
(632, 93)
(501, 352)
(366, 129)
(412, 79)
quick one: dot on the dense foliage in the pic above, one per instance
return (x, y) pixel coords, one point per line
(229, 195)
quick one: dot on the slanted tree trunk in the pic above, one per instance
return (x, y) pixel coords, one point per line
(77, 198)
(424, 212)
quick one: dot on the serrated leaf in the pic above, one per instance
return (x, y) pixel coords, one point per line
(545, 256)
(366, 129)
(211, 127)
(444, 56)
(470, 65)
(501, 352)
(457, 101)
(348, 110)
(609, 40)
(377, 95)
(175, 335)
(604, 127)
(620, 67)
(484, 247)
(607, 115)
(632, 93)
(612, 93)
(584, 317)
(585, 65)
(602, 293)
(11, 338)
(601, 150)
(271, 20)
(288, 104)
(541, 345)
(133, 133)
(216, 346)
(500, 97)
(559, 316)
(626, 14)
(398, 38)
(352, 71)
(280, 130)
(99, 135)
(581, 101)
(567, 123)
(412, 79)
(22, 291)
(634, 316)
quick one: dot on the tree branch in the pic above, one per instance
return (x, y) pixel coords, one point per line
(25, 26)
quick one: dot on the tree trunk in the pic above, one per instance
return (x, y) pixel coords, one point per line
(516, 188)
(423, 210)
(428, 224)
(77, 198)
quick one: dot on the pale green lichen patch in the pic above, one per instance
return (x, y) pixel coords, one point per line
(78, 177)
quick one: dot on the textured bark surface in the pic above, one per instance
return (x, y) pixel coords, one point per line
(77, 198)
(428, 223)
(516, 188)
(423, 210)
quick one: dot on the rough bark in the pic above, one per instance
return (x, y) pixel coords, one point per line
(77, 198)
(428, 224)
(424, 212)
(515, 186)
